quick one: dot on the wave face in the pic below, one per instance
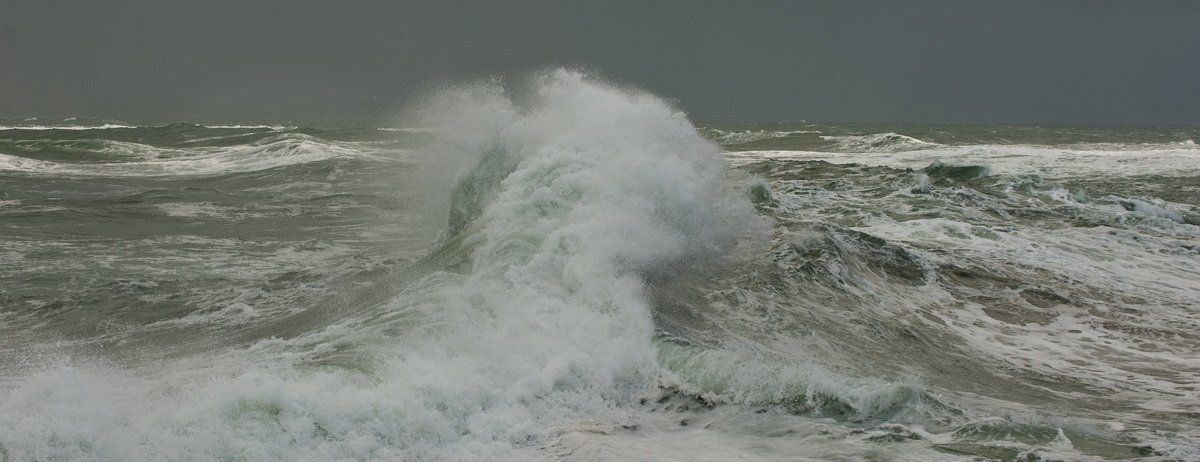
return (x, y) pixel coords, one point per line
(581, 274)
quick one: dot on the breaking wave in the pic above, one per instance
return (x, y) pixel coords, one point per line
(732, 137)
(573, 199)
(878, 142)
(119, 158)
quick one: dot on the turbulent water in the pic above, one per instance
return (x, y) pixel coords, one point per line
(580, 273)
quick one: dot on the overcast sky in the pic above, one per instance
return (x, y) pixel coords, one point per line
(953, 61)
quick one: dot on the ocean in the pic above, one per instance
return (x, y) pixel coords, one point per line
(578, 271)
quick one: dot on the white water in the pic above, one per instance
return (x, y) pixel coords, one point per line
(1050, 162)
(878, 142)
(64, 127)
(149, 161)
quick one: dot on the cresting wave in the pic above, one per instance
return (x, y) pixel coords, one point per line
(878, 142)
(64, 127)
(574, 198)
(731, 137)
(111, 126)
(118, 158)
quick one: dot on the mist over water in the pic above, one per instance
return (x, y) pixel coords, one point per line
(568, 269)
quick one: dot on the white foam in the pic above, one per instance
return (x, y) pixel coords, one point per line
(408, 129)
(878, 142)
(114, 126)
(1049, 162)
(193, 210)
(65, 127)
(276, 151)
(1159, 210)
(727, 137)
(240, 126)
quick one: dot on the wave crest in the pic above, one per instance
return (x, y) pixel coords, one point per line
(878, 142)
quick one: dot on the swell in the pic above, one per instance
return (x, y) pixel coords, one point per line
(126, 159)
(877, 142)
(989, 284)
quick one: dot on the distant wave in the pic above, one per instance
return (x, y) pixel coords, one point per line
(116, 126)
(64, 127)
(878, 142)
(145, 160)
(408, 129)
(238, 126)
(1050, 161)
(728, 137)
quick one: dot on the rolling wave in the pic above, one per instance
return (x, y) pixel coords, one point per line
(65, 127)
(878, 142)
(110, 126)
(733, 137)
(134, 159)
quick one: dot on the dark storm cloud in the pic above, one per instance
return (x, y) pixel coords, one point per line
(1064, 61)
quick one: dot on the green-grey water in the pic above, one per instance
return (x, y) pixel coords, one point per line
(591, 276)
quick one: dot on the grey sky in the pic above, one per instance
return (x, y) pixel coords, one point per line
(955, 61)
